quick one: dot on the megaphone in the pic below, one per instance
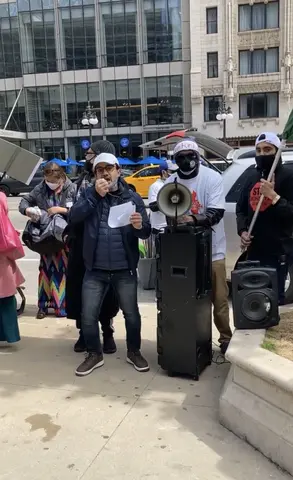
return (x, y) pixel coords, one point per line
(174, 200)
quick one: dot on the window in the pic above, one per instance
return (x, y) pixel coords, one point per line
(75, 150)
(213, 65)
(163, 35)
(17, 121)
(10, 60)
(76, 98)
(211, 107)
(234, 192)
(43, 109)
(50, 148)
(119, 20)
(258, 16)
(212, 20)
(258, 61)
(164, 100)
(132, 151)
(259, 105)
(78, 39)
(149, 172)
(38, 41)
(123, 103)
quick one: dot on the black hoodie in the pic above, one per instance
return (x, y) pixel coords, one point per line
(274, 226)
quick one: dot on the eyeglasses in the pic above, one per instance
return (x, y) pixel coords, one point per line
(107, 168)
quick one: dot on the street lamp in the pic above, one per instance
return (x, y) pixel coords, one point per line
(90, 119)
(224, 114)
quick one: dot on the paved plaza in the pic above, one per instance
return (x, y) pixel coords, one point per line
(116, 423)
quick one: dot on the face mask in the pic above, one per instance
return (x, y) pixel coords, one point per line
(53, 186)
(264, 163)
(88, 167)
(188, 165)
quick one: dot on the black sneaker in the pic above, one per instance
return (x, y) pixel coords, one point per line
(109, 345)
(136, 359)
(80, 347)
(224, 346)
(91, 362)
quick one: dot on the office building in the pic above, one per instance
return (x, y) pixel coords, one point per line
(241, 53)
(128, 59)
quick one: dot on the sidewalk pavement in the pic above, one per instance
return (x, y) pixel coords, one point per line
(117, 423)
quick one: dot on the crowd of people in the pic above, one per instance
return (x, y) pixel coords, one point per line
(91, 272)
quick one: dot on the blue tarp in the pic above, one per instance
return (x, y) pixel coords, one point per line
(63, 163)
(125, 161)
(150, 160)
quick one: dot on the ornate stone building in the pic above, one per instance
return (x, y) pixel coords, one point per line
(241, 55)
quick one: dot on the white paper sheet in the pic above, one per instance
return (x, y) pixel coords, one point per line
(119, 216)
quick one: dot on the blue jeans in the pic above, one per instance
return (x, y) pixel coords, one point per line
(95, 286)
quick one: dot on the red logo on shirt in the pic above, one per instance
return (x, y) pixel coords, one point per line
(196, 205)
(255, 196)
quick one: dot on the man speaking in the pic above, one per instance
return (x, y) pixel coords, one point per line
(207, 210)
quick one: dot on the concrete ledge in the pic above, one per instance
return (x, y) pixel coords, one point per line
(257, 399)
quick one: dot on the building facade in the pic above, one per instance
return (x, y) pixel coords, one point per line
(130, 59)
(241, 53)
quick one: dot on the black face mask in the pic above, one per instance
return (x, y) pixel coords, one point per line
(88, 167)
(264, 163)
(188, 165)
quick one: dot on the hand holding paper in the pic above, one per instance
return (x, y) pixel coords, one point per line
(119, 216)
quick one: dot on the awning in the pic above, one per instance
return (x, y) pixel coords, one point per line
(206, 142)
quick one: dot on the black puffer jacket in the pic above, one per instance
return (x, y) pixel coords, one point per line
(88, 210)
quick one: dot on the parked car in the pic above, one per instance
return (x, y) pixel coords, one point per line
(13, 187)
(141, 181)
(234, 179)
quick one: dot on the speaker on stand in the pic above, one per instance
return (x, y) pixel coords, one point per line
(254, 296)
(184, 327)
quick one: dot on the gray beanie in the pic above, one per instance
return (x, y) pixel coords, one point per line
(103, 146)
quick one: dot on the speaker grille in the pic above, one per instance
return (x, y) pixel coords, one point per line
(254, 279)
(256, 306)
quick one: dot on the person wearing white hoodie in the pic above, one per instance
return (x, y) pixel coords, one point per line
(208, 207)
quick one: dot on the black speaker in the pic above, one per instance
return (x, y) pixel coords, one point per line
(254, 296)
(184, 330)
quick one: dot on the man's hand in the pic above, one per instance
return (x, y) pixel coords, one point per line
(102, 187)
(185, 219)
(245, 240)
(136, 220)
(54, 210)
(267, 189)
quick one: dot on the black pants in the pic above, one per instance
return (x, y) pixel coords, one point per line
(280, 263)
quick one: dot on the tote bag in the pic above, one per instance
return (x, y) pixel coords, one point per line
(10, 243)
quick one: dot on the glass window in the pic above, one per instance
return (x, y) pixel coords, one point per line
(38, 41)
(119, 34)
(17, 121)
(234, 193)
(148, 172)
(259, 105)
(163, 31)
(43, 109)
(212, 20)
(123, 103)
(258, 61)
(77, 98)
(164, 100)
(258, 16)
(132, 151)
(50, 148)
(10, 60)
(213, 65)
(211, 107)
(78, 43)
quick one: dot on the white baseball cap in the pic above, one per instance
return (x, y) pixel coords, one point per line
(185, 145)
(105, 158)
(268, 137)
